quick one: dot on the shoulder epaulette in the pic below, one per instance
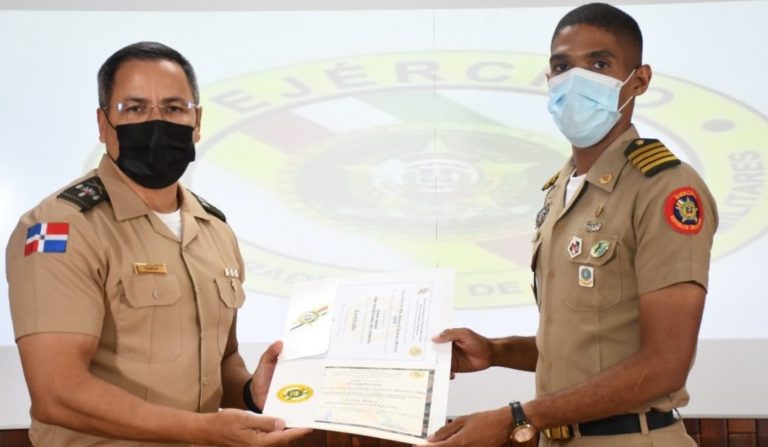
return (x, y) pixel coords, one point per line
(650, 156)
(210, 209)
(550, 182)
(86, 194)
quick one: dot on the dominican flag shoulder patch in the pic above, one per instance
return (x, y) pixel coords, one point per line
(47, 237)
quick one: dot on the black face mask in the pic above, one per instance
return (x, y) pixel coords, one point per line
(155, 154)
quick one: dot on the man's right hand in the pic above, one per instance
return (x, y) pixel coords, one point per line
(238, 428)
(471, 351)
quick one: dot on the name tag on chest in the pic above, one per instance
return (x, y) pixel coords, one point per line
(143, 268)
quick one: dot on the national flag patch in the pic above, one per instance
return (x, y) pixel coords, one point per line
(47, 237)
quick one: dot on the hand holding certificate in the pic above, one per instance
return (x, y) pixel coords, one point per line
(358, 358)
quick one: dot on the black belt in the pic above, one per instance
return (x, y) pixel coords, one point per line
(614, 425)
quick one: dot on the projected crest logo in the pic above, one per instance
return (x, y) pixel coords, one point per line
(403, 161)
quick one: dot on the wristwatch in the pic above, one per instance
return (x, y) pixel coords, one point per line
(523, 431)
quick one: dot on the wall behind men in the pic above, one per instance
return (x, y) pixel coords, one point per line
(343, 138)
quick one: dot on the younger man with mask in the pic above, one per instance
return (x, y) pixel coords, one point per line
(125, 286)
(620, 258)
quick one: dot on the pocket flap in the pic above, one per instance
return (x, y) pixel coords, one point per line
(230, 292)
(151, 290)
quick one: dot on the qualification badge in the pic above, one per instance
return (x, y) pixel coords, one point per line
(542, 214)
(593, 226)
(294, 393)
(574, 247)
(586, 276)
(309, 317)
(599, 249)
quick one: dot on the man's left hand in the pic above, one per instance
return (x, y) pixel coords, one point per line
(483, 429)
(262, 377)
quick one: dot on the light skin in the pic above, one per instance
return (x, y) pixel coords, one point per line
(669, 318)
(56, 365)
(153, 82)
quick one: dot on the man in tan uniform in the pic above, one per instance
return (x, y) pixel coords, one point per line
(620, 259)
(124, 286)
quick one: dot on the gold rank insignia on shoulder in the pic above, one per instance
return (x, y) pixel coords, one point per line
(650, 156)
(550, 182)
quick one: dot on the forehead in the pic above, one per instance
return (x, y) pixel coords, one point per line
(578, 40)
(150, 79)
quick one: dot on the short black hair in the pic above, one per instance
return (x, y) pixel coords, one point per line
(144, 51)
(608, 18)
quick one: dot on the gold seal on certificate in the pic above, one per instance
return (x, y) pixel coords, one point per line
(309, 317)
(418, 374)
(295, 393)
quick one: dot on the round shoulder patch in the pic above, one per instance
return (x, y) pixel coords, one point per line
(683, 210)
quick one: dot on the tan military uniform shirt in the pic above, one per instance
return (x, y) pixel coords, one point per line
(621, 235)
(161, 334)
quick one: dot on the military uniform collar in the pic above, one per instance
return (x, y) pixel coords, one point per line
(605, 172)
(127, 204)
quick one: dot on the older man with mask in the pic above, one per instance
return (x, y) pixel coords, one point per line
(125, 286)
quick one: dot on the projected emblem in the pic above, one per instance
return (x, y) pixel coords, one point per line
(402, 161)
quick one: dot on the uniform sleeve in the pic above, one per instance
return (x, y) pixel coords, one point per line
(55, 273)
(675, 222)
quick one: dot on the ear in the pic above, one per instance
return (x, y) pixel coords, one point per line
(102, 121)
(642, 79)
(196, 132)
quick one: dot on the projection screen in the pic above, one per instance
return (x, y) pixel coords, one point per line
(349, 137)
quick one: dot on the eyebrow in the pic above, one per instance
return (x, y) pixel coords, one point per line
(597, 54)
(558, 57)
(145, 100)
(601, 54)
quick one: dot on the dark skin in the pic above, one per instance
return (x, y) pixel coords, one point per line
(598, 50)
(669, 317)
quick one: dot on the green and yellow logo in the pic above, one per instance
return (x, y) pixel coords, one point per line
(294, 394)
(413, 160)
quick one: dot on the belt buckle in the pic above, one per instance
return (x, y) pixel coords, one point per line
(561, 432)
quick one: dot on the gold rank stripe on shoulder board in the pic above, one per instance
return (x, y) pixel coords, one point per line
(144, 268)
(550, 182)
(650, 156)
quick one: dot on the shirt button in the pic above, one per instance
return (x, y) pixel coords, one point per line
(202, 335)
(155, 293)
(551, 274)
(205, 381)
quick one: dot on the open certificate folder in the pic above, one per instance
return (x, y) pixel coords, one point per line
(358, 356)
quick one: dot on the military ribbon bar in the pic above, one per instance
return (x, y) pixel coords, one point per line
(47, 237)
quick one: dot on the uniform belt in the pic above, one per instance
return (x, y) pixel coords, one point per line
(613, 425)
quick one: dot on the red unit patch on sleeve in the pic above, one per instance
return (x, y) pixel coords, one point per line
(683, 211)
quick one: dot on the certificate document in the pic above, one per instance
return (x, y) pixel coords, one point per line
(358, 356)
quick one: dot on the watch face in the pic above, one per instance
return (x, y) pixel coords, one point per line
(523, 433)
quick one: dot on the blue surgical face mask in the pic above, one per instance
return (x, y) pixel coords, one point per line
(585, 105)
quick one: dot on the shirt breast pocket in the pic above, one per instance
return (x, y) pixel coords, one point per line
(597, 273)
(149, 318)
(231, 298)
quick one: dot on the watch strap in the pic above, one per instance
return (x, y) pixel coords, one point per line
(517, 413)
